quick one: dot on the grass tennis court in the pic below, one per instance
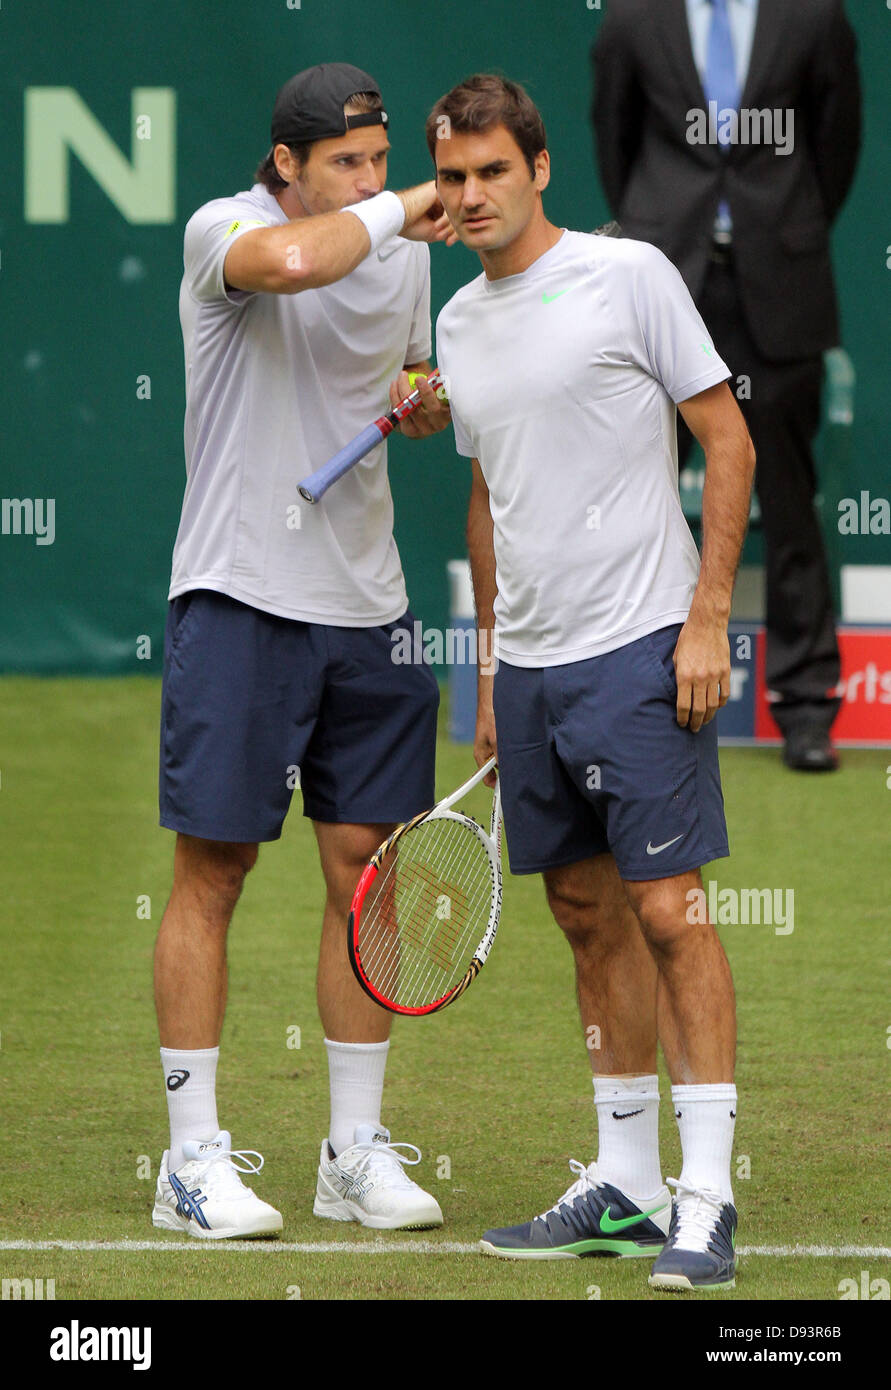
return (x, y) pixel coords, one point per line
(494, 1091)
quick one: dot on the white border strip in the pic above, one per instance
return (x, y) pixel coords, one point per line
(397, 1247)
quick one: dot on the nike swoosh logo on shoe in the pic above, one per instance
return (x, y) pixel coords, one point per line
(609, 1225)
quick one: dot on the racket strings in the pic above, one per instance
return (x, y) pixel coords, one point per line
(425, 885)
(458, 930)
(426, 913)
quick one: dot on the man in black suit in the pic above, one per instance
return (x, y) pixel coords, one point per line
(727, 134)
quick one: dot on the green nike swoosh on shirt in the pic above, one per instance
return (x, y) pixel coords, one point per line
(609, 1225)
(549, 298)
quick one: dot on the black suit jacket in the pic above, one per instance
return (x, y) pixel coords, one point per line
(665, 190)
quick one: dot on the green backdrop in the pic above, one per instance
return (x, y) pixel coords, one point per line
(89, 300)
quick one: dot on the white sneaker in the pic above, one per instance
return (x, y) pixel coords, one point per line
(366, 1183)
(206, 1198)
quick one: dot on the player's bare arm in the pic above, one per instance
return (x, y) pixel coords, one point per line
(481, 551)
(425, 216)
(702, 655)
(309, 252)
(434, 414)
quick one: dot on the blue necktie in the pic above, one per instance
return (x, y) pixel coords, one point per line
(721, 87)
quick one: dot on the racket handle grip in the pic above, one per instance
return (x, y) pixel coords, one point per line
(313, 488)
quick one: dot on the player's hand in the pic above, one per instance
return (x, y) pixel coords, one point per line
(425, 216)
(431, 416)
(484, 743)
(702, 667)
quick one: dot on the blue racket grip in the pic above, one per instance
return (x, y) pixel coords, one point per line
(313, 488)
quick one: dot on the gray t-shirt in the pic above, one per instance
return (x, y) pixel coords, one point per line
(563, 382)
(276, 384)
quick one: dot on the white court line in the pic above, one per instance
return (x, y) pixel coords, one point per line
(258, 1247)
(397, 1247)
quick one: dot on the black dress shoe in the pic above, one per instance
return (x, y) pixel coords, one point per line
(810, 750)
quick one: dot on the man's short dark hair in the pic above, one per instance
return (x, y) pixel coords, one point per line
(266, 172)
(482, 102)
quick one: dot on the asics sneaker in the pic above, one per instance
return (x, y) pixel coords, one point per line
(699, 1252)
(206, 1198)
(591, 1218)
(367, 1183)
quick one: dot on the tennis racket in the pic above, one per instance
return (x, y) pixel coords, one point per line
(426, 908)
(313, 488)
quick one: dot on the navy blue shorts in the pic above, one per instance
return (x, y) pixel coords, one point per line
(248, 697)
(592, 760)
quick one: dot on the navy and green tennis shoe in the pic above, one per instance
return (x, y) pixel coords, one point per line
(591, 1218)
(700, 1252)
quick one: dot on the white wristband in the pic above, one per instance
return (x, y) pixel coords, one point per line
(383, 217)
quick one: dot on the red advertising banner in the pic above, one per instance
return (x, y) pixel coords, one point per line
(865, 687)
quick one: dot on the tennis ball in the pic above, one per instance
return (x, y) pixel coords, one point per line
(440, 390)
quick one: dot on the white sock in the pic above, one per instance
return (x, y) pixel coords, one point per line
(706, 1118)
(356, 1078)
(190, 1086)
(628, 1133)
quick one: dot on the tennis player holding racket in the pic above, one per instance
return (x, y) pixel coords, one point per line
(303, 300)
(565, 360)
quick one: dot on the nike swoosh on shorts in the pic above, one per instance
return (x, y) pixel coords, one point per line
(657, 849)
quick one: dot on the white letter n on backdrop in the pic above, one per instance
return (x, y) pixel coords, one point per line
(58, 124)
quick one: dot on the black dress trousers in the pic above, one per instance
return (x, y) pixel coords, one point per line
(783, 416)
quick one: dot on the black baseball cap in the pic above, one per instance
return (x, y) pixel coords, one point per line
(310, 106)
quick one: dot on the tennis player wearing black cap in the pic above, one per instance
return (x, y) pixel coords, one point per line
(303, 299)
